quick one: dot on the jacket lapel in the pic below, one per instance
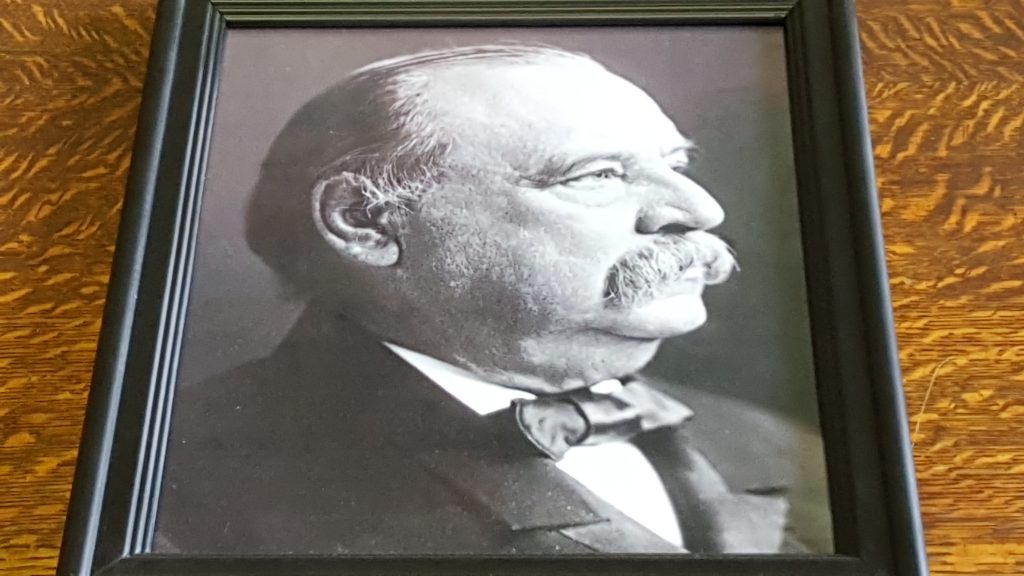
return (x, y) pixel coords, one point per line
(531, 494)
(713, 518)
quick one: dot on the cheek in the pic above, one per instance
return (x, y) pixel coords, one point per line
(565, 257)
(461, 246)
(529, 251)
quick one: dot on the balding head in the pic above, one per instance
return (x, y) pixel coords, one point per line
(375, 129)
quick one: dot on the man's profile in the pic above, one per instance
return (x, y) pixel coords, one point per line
(492, 242)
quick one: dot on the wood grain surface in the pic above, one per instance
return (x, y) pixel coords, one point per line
(944, 84)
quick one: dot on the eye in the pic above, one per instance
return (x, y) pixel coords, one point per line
(602, 174)
(681, 162)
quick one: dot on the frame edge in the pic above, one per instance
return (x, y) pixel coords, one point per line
(79, 538)
(909, 553)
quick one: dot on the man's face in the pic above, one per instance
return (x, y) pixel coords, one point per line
(566, 240)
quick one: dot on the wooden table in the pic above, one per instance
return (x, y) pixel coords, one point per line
(945, 84)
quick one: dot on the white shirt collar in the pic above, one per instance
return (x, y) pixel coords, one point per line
(482, 397)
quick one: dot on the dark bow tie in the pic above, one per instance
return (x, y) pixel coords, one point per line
(556, 423)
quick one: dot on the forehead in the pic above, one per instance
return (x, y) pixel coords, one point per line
(559, 106)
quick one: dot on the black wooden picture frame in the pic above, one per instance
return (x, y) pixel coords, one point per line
(876, 521)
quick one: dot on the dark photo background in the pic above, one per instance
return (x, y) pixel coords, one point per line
(725, 89)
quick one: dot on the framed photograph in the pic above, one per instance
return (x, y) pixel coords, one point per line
(498, 287)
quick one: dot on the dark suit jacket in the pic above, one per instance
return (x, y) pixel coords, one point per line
(335, 445)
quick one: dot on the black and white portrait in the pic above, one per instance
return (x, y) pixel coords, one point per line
(498, 291)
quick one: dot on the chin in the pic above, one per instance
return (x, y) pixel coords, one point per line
(662, 318)
(564, 361)
(629, 360)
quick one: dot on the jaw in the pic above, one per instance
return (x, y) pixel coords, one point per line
(656, 319)
(574, 359)
(609, 343)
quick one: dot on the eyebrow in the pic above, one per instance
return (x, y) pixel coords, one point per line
(685, 148)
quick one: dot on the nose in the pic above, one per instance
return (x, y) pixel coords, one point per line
(689, 207)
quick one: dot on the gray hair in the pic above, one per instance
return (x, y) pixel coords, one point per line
(372, 126)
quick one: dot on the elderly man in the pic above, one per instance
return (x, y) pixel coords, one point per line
(492, 241)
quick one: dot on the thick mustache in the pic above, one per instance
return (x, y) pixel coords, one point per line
(637, 276)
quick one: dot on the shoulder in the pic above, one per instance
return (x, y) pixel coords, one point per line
(257, 463)
(224, 407)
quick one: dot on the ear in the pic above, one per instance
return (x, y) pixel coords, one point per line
(353, 229)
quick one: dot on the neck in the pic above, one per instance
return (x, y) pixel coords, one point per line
(542, 365)
(545, 363)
